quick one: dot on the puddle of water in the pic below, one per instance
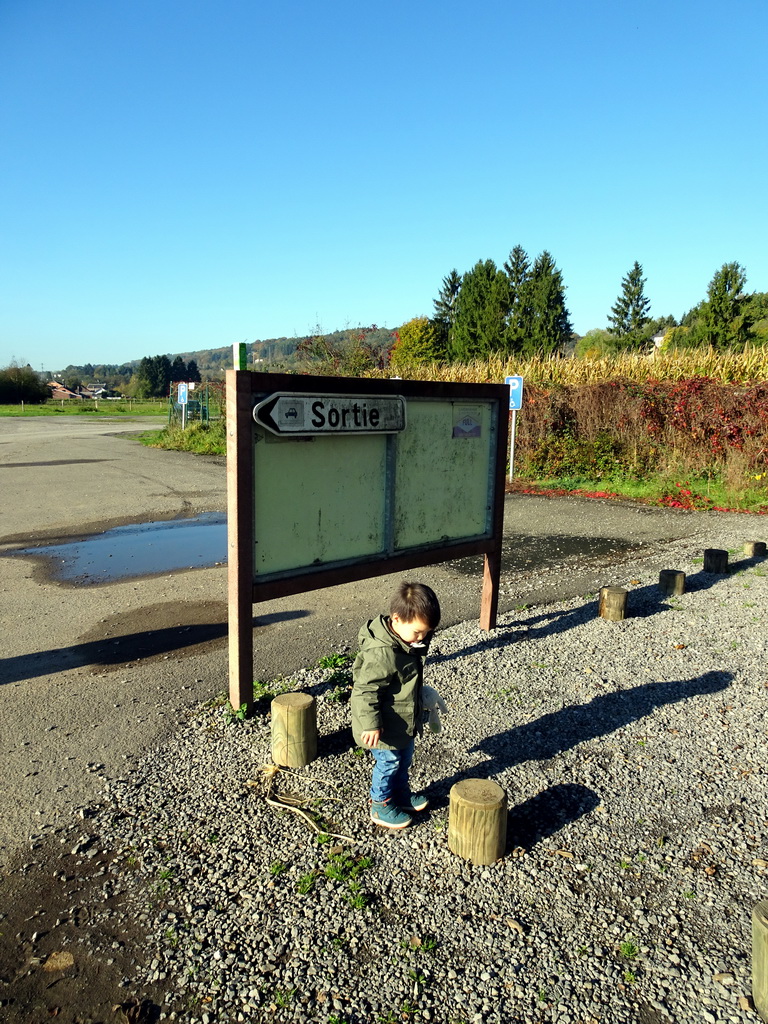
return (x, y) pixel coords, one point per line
(139, 550)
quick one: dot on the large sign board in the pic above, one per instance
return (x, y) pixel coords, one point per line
(335, 479)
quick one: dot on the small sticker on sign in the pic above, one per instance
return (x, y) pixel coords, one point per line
(467, 421)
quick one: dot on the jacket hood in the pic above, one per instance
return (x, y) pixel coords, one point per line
(376, 633)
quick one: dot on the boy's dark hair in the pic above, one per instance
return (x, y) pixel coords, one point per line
(416, 601)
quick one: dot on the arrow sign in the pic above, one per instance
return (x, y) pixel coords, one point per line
(302, 415)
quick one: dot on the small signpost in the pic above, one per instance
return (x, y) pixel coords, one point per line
(515, 403)
(182, 398)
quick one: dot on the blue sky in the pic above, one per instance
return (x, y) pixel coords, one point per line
(177, 176)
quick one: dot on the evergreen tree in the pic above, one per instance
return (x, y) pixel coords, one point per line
(153, 376)
(193, 374)
(445, 309)
(520, 319)
(445, 303)
(629, 314)
(146, 378)
(551, 323)
(178, 369)
(724, 319)
(482, 307)
(163, 375)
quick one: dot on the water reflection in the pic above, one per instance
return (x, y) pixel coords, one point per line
(142, 549)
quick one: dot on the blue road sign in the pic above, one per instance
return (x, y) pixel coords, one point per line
(515, 392)
(183, 394)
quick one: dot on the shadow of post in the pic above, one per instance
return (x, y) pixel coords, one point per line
(121, 649)
(558, 731)
(545, 814)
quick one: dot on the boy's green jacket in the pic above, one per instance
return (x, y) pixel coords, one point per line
(386, 693)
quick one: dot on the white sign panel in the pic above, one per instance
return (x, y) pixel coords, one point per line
(306, 415)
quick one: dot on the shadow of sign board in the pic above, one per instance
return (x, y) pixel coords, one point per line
(336, 479)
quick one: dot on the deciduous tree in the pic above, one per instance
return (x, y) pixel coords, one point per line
(420, 340)
(22, 384)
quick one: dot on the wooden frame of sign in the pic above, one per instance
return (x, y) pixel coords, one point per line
(399, 546)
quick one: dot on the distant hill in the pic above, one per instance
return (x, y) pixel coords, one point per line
(279, 354)
(275, 354)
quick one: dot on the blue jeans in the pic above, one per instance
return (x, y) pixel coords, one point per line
(390, 774)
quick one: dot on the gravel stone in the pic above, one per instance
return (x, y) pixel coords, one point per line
(632, 757)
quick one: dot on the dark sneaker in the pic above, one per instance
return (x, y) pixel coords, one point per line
(414, 802)
(389, 816)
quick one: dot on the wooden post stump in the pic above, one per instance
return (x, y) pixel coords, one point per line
(477, 820)
(672, 581)
(613, 603)
(294, 729)
(755, 548)
(760, 958)
(715, 560)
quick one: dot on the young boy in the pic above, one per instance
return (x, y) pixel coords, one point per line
(386, 698)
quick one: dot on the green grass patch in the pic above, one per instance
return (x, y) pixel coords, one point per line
(692, 494)
(89, 408)
(198, 438)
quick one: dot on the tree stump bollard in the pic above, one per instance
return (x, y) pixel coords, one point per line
(672, 581)
(613, 603)
(755, 548)
(477, 820)
(294, 729)
(760, 958)
(715, 561)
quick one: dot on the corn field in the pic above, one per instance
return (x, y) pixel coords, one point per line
(748, 366)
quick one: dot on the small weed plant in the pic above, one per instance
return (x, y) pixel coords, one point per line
(267, 691)
(234, 716)
(342, 867)
(283, 997)
(306, 883)
(336, 660)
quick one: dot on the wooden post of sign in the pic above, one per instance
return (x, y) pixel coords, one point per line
(760, 958)
(477, 820)
(294, 729)
(489, 602)
(613, 603)
(240, 537)
(755, 548)
(715, 561)
(671, 581)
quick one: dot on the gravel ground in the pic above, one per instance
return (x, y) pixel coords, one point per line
(632, 755)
